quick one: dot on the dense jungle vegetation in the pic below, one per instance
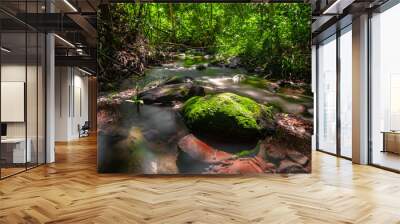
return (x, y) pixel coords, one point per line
(271, 39)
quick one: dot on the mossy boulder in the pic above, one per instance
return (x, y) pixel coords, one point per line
(228, 115)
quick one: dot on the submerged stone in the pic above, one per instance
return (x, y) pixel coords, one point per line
(167, 94)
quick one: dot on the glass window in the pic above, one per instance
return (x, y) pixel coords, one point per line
(385, 89)
(327, 95)
(346, 92)
(22, 92)
(14, 153)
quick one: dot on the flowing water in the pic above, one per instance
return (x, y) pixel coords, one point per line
(148, 143)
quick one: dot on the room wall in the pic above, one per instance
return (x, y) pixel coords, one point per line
(16, 73)
(92, 98)
(33, 127)
(71, 102)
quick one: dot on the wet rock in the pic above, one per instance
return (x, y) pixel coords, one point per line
(152, 135)
(228, 115)
(310, 111)
(258, 70)
(201, 67)
(114, 99)
(297, 157)
(196, 91)
(107, 119)
(197, 150)
(181, 56)
(290, 147)
(168, 93)
(234, 62)
(295, 131)
(238, 78)
(250, 165)
(288, 166)
(218, 63)
(272, 87)
(178, 80)
(194, 155)
(274, 153)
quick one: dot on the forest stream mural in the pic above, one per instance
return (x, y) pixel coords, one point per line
(207, 88)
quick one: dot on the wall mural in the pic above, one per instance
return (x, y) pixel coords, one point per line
(207, 88)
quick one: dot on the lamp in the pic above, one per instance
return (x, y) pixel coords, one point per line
(65, 41)
(84, 71)
(337, 7)
(5, 50)
(70, 5)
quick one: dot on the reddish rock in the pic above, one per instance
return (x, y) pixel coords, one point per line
(288, 166)
(297, 157)
(294, 132)
(200, 151)
(274, 153)
(115, 99)
(290, 147)
(106, 119)
(251, 165)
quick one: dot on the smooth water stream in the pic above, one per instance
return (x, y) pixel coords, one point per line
(148, 143)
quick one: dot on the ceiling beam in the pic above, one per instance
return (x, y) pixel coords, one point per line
(82, 61)
(89, 30)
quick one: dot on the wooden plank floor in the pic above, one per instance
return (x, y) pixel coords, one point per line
(70, 191)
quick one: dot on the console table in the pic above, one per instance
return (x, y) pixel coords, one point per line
(13, 150)
(391, 141)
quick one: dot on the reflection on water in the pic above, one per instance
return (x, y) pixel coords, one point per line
(221, 79)
(145, 142)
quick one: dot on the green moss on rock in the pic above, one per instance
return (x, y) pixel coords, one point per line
(228, 115)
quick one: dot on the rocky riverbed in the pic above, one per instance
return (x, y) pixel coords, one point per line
(205, 119)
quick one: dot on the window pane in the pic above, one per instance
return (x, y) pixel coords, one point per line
(346, 92)
(327, 95)
(14, 151)
(41, 99)
(31, 97)
(385, 88)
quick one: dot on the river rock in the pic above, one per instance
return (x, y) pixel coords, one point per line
(258, 70)
(152, 135)
(227, 115)
(295, 131)
(288, 166)
(252, 165)
(178, 80)
(195, 156)
(290, 147)
(234, 62)
(297, 157)
(114, 99)
(198, 150)
(274, 153)
(218, 63)
(201, 67)
(272, 87)
(166, 94)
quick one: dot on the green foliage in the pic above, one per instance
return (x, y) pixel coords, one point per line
(193, 60)
(250, 152)
(275, 37)
(136, 100)
(226, 114)
(255, 82)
